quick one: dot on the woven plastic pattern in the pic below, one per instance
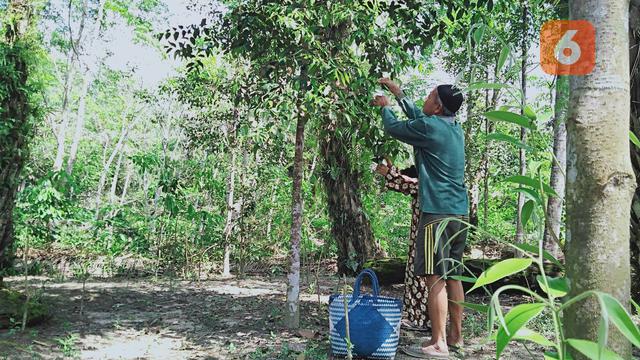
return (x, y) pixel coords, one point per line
(374, 322)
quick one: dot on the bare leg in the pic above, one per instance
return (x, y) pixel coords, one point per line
(456, 295)
(437, 312)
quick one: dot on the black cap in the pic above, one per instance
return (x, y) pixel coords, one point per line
(451, 97)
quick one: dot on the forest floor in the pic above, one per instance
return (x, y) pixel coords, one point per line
(163, 318)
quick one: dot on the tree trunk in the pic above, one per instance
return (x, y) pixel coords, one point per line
(557, 182)
(350, 226)
(600, 179)
(107, 166)
(634, 36)
(116, 177)
(228, 227)
(17, 117)
(80, 120)
(61, 134)
(523, 131)
(293, 286)
(127, 181)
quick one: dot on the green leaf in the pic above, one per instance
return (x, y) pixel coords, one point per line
(528, 112)
(510, 117)
(533, 194)
(634, 139)
(552, 355)
(545, 254)
(530, 335)
(619, 316)
(558, 287)
(531, 182)
(504, 55)
(462, 278)
(519, 316)
(635, 305)
(478, 34)
(509, 139)
(527, 210)
(477, 307)
(500, 270)
(592, 350)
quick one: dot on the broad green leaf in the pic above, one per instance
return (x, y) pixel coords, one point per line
(527, 209)
(634, 139)
(462, 278)
(478, 34)
(534, 250)
(504, 55)
(510, 139)
(500, 270)
(530, 335)
(519, 316)
(620, 318)
(558, 287)
(510, 117)
(528, 181)
(533, 194)
(528, 112)
(477, 307)
(592, 350)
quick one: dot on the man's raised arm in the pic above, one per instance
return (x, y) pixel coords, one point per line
(412, 132)
(408, 107)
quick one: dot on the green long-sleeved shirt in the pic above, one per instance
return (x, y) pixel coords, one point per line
(438, 144)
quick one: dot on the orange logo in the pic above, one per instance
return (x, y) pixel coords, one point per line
(568, 47)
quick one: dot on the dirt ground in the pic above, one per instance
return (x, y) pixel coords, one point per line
(147, 318)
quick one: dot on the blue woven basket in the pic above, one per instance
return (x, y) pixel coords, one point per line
(374, 322)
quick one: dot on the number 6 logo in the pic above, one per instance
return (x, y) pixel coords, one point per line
(567, 47)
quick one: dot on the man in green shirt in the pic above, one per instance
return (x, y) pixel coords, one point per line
(438, 144)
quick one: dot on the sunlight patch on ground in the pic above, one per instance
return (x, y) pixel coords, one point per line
(134, 346)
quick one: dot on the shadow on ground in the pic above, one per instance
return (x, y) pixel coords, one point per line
(145, 318)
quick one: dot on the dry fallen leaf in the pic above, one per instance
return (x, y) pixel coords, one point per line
(307, 333)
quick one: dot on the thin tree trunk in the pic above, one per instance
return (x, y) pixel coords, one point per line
(557, 182)
(77, 135)
(116, 176)
(293, 285)
(523, 131)
(600, 179)
(61, 134)
(127, 181)
(634, 60)
(107, 166)
(228, 227)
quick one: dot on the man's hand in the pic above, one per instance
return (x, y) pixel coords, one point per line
(380, 100)
(389, 84)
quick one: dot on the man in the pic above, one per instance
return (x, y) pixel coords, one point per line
(438, 143)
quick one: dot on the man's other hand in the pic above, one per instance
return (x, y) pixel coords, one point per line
(389, 84)
(380, 100)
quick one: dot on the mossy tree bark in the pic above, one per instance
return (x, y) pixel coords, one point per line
(16, 119)
(600, 180)
(350, 228)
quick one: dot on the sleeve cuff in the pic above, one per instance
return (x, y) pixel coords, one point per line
(400, 96)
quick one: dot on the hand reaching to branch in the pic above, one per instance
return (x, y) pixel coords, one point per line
(390, 85)
(380, 100)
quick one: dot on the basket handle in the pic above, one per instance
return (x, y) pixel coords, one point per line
(358, 282)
